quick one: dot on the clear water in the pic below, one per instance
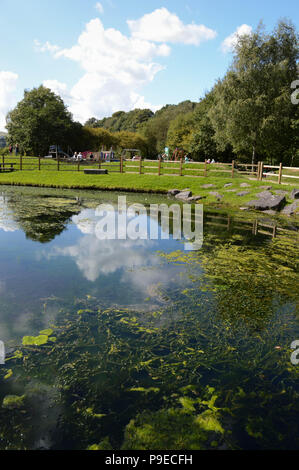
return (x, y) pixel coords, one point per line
(195, 343)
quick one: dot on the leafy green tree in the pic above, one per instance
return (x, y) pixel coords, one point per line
(253, 109)
(41, 119)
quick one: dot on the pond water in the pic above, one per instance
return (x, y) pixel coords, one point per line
(141, 344)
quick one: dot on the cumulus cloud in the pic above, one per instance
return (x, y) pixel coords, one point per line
(231, 41)
(99, 7)
(8, 84)
(116, 66)
(163, 26)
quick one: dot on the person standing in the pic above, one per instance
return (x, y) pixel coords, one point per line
(17, 149)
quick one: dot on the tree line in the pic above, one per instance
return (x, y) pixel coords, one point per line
(248, 114)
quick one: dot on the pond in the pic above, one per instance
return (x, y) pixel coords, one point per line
(140, 344)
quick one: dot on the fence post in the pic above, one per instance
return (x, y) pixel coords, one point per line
(280, 173)
(100, 162)
(58, 163)
(206, 168)
(261, 171)
(39, 163)
(181, 167)
(140, 166)
(159, 167)
(258, 171)
(21, 162)
(121, 164)
(78, 165)
(233, 168)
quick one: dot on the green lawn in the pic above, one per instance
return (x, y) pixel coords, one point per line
(141, 183)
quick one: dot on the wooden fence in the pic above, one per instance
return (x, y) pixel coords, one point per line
(258, 171)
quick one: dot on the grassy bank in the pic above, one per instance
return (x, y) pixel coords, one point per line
(142, 183)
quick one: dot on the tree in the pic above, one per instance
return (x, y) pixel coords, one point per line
(41, 119)
(253, 109)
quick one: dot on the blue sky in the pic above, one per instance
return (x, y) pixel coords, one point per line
(119, 54)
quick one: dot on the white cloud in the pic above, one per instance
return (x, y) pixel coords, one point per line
(231, 41)
(99, 7)
(115, 66)
(8, 84)
(163, 26)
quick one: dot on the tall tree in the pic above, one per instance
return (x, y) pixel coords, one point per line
(41, 119)
(253, 109)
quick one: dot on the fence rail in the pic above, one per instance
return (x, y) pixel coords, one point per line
(259, 171)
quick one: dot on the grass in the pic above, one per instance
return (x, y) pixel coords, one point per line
(139, 183)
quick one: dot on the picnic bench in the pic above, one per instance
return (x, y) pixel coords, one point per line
(93, 171)
(6, 167)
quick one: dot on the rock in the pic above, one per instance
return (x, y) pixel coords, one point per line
(244, 208)
(264, 194)
(216, 194)
(230, 190)
(243, 193)
(282, 193)
(295, 194)
(244, 185)
(290, 209)
(184, 195)
(268, 201)
(173, 192)
(270, 212)
(266, 188)
(227, 185)
(195, 198)
(207, 186)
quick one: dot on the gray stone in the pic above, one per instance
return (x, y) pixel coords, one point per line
(282, 193)
(243, 193)
(244, 185)
(207, 186)
(266, 188)
(173, 192)
(295, 194)
(244, 208)
(184, 195)
(264, 194)
(268, 202)
(290, 209)
(216, 194)
(195, 198)
(230, 190)
(227, 185)
(270, 212)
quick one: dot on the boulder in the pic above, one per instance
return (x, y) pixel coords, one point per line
(243, 193)
(264, 194)
(290, 209)
(295, 194)
(244, 185)
(195, 198)
(184, 195)
(227, 185)
(216, 194)
(282, 193)
(173, 192)
(268, 202)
